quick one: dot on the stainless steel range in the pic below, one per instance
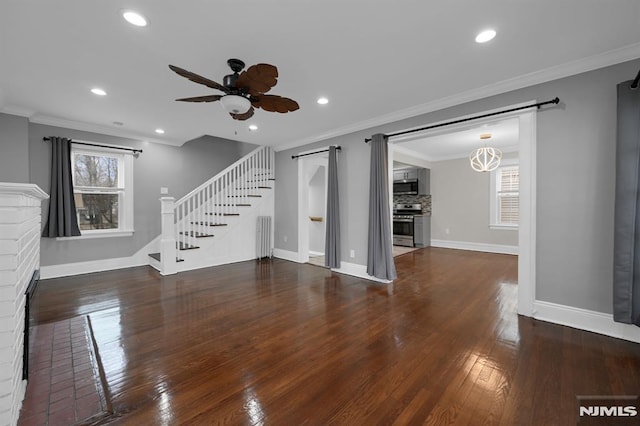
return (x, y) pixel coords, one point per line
(403, 223)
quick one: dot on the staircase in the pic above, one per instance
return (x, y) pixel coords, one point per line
(216, 223)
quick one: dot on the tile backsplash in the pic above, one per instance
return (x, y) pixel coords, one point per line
(425, 200)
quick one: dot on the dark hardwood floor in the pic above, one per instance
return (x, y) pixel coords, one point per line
(281, 343)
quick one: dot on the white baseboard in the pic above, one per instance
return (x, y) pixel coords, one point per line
(77, 268)
(346, 268)
(286, 255)
(315, 253)
(359, 271)
(484, 247)
(585, 319)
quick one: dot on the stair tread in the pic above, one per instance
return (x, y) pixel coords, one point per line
(259, 187)
(196, 234)
(242, 196)
(184, 246)
(156, 256)
(209, 223)
(236, 204)
(223, 214)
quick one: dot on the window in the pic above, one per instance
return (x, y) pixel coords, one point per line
(505, 196)
(103, 191)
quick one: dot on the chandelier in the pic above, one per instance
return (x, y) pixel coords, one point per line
(485, 159)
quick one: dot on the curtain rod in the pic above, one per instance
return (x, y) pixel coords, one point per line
(634, 85)
(338, 148)
(100, 145)
(462, 120)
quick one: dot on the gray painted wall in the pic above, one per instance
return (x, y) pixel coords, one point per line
(460, 203)
(353, 178)
(575, 184)
(181, 169)
(14, 149)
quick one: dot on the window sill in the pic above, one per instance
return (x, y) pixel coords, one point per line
(88, 235)
(504, 227)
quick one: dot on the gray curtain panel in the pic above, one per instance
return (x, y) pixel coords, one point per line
(332, 232)
(380, 250)
(61, 219)
(626, 259)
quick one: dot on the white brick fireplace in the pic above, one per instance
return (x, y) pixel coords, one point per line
(20, 217)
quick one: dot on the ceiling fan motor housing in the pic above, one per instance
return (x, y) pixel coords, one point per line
(230, 80)
(236, 66)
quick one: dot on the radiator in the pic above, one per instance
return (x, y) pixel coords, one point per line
(263, 237)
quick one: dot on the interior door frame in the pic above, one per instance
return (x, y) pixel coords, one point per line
(304, 165)
(527, 143)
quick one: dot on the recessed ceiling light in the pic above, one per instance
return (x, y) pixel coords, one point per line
(160, 131)
(253, 127)
(323, 101)
(485, 36)
(134, 18)
(98, 91)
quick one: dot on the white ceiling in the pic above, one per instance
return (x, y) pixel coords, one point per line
(377, 61)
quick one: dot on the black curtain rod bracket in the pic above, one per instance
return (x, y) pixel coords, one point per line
(135, 151)
(555, 100)
(634, 85)
(293, 157)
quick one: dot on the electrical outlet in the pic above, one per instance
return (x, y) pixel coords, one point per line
(164, 190)
(352, 254)
(285, 238)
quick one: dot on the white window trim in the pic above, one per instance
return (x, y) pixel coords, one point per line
(493, 211)
(125, 228)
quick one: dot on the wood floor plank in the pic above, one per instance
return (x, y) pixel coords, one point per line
(284, 343)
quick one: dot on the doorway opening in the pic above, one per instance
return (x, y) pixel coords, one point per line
(312, 205)
(403, 149)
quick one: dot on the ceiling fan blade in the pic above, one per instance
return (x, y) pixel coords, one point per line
(209, 98)
(244, 116)
(274, 103)
(258, 79)
(198, 78)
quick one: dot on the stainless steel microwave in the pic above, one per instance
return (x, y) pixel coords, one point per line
(405, 187)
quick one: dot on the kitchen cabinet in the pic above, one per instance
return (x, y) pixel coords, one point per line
(422, 230)
(405, 174)
(424, 181)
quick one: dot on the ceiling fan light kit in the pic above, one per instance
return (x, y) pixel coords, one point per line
(242, 91)
(235, 104)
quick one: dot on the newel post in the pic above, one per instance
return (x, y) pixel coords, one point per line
(168, 237)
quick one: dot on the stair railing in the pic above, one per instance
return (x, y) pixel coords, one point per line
(204, 209)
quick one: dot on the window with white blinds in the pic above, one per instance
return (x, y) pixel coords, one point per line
(508, 196)
(505, 196)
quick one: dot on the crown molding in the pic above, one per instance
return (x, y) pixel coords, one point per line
(95, 128)
(16, 110)
(611, 57)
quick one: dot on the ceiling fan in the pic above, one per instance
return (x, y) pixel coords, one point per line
(243, 91)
